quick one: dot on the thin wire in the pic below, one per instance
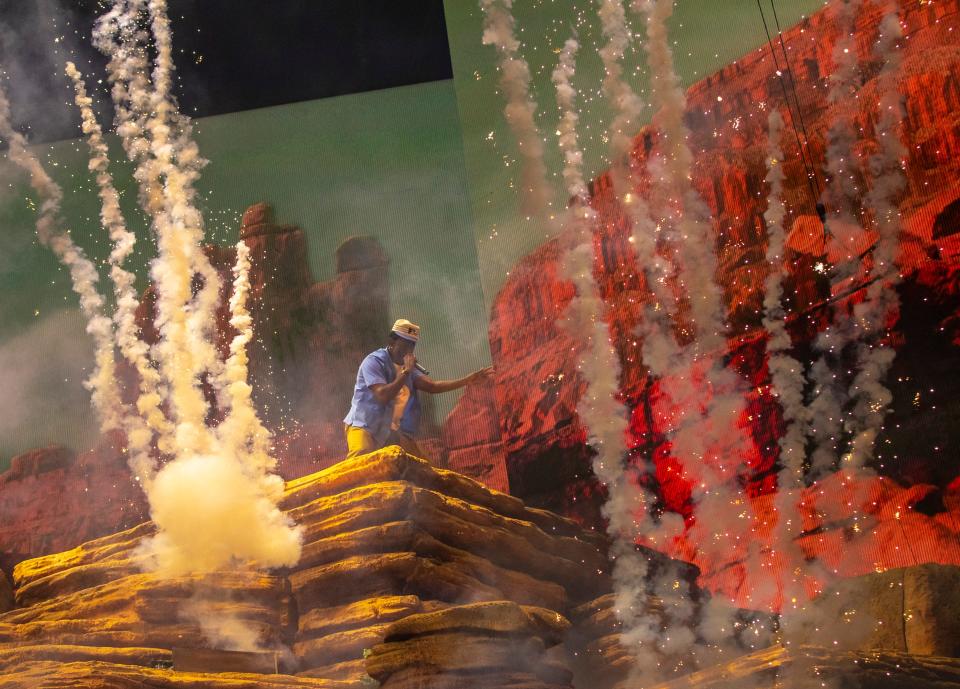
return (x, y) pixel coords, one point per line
(776, 63)
(796, 99)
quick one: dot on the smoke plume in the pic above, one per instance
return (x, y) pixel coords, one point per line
(842, 192)
(881, 303)
(625, 104)
(786, 373)
(702, 399)
(520, 109)
(148, 418)
(787, 381)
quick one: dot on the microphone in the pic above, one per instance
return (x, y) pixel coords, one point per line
(422, 369)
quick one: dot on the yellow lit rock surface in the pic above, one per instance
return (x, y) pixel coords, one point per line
(103, 675)
(498, 617)
(349, 670)
(491, 645)
(389, 540)
(392, 464)
(380, 610)
(139, 610)
(119, 544)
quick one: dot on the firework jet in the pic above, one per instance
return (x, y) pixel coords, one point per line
(214, 500)
(520, 108)
(787, 382)
(148, 419)
(881, 303)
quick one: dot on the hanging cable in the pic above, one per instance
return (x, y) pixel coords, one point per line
(807, 167)
(812, 182)
(796, 99)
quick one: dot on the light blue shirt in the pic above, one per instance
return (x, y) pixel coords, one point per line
(367, 412)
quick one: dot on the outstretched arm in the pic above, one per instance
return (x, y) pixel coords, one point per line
(427, 384)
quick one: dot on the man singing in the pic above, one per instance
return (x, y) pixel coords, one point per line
(385, 409)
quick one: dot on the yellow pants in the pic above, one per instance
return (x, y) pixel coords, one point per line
(360, 441)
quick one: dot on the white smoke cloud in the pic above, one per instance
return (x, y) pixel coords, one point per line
(224, 628)
(212, 516)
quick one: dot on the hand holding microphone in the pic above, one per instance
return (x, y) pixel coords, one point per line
(410, 361)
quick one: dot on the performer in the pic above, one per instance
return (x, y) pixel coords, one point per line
(385, 409)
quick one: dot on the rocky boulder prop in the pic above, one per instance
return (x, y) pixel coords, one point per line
(390, 543)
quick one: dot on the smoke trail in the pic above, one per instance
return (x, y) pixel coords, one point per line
(188, 162)
(215, 504)
(83, 274)
(567, 127)
(696, 257)
(871, 398)
(498, 31)
(699, 402)
(117, 35)
(645, 635)
(787, 382)
(842, 193)
(626, 104)
(825, 409)
(241, 431)
(786, 373)
(167, 190)
(868, 318)
(707, 437)
(149, 417)
(656, 328)
(156, 138)
(599, 409)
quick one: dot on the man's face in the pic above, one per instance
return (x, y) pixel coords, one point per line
(401, 348)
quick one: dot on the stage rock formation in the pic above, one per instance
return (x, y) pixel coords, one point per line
(395, 552)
